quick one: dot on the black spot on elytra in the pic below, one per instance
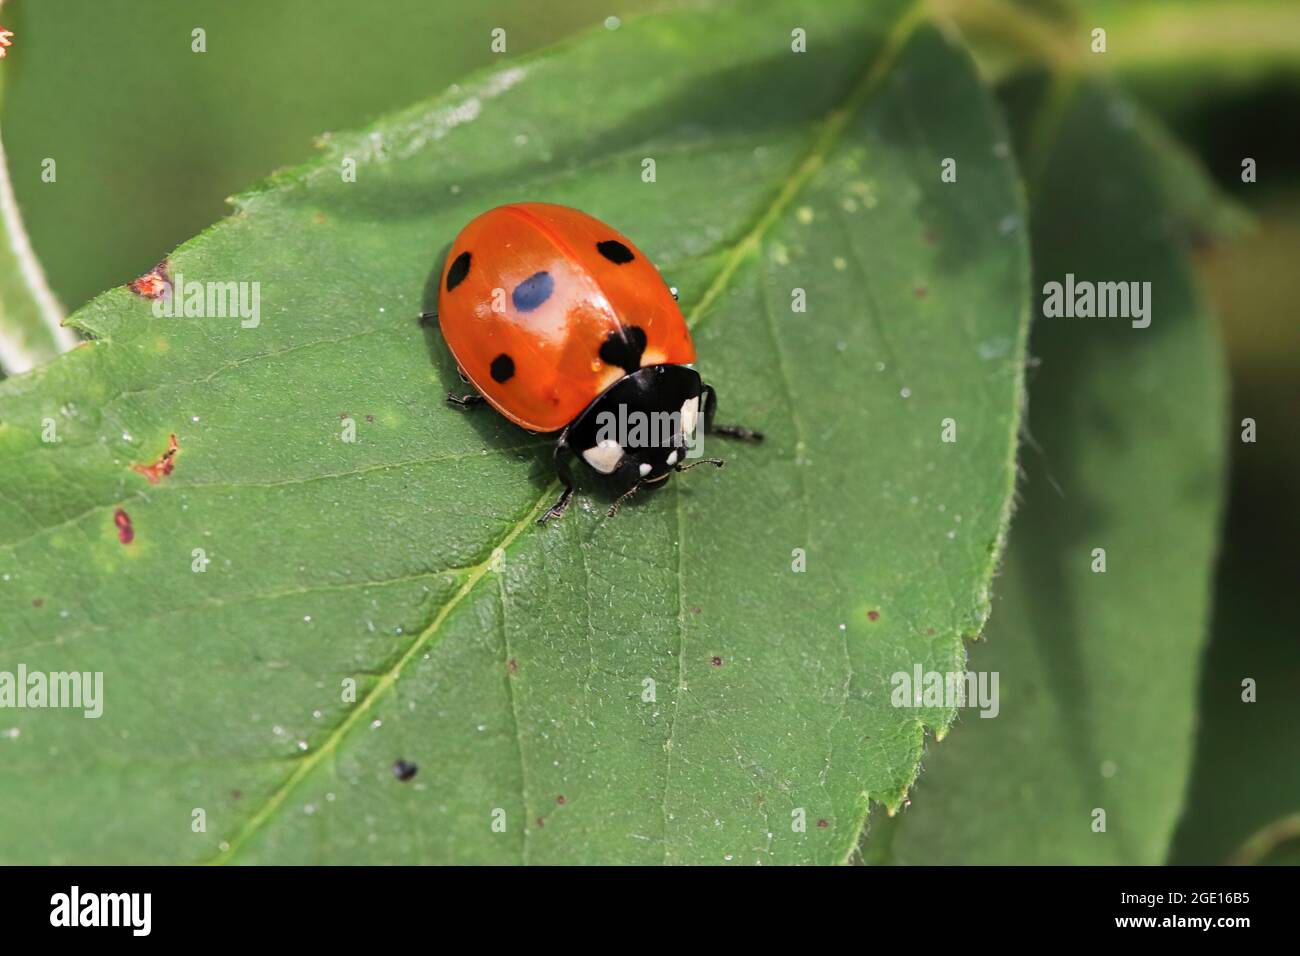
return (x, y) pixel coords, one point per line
(458, 271)
(503, 368)
(615, 251)
(624, 347)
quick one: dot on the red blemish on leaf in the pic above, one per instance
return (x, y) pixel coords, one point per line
(822, 824)
(921, 292)
(873, 615)
(560, 799)
(512, 665)
(541, 822)
(163, 466)
(153, 284)
(716, 662)
(929, 236)
(38, 602)
(125, 532)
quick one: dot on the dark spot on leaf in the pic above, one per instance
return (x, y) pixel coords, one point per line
(404, 770)
(533, 291)
(695, 610)
(154, 283)
(512, 665)
(716, 662)
(125, 532)
(822, 824)
(624, 347)
(458, 271)
(38, 602)
(163, 466)
(920, 292)
(503, 368)
(873, 615)
(370, 419)
(615, 251)
(236, 794)
(560, 799)
(541, 822)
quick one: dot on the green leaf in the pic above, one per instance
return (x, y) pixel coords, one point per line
(512, 664)
(1098, 671)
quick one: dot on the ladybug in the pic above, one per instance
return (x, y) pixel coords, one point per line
(562, 325)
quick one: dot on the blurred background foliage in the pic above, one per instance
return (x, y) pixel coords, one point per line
(150, 138)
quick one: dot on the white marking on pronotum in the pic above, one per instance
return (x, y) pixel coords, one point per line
(13, 353)
(690, 411)
(605, 456)
(644, 469)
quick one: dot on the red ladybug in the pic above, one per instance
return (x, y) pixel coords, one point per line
(561, 324)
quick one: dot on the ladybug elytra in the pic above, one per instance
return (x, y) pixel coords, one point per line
(562, 325)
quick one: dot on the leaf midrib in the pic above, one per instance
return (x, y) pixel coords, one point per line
(832, 130)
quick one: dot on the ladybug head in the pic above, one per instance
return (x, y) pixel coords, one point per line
(643, 427)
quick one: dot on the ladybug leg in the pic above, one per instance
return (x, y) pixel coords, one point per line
(467, 401)
(731, 431)
(472, 400)
(618, 503)
(566, 478)
(426, 318)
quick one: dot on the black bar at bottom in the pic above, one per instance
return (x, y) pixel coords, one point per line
(339, 905)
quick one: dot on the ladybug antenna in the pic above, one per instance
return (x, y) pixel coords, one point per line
(702, 461)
